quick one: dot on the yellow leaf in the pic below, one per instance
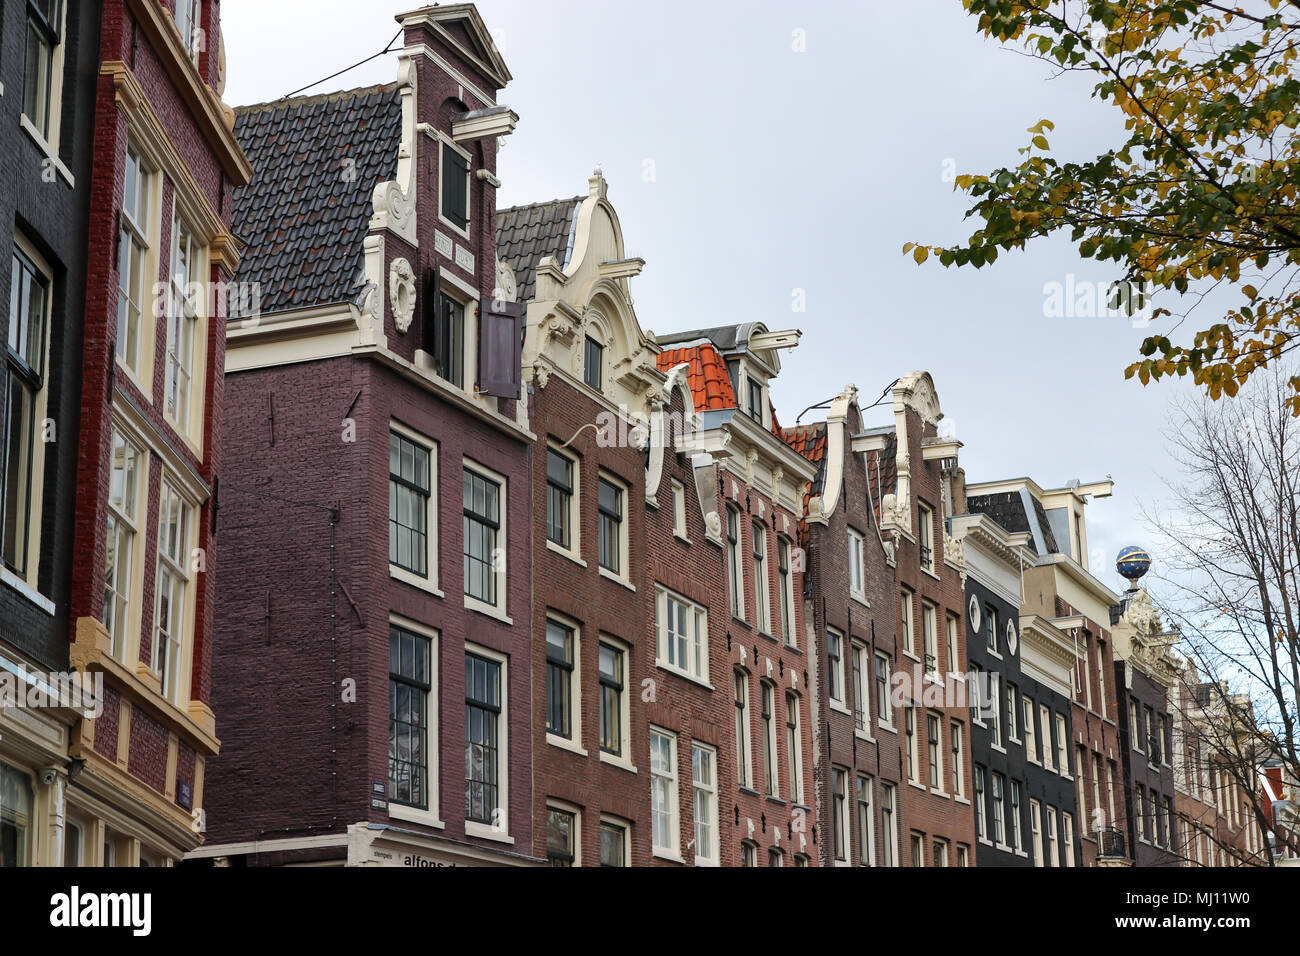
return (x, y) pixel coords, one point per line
(921, 254)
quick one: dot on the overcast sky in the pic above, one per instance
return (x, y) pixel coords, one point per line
(744, 170)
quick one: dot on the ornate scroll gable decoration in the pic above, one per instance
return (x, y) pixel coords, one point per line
(954, 555)
(394, 201)
(1152, 646)
(507, 286)
(401, 293)
(916, 389)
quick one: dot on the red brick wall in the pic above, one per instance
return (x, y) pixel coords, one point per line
(777, 823)
(839, 745)
(934, 816)
(598, 606)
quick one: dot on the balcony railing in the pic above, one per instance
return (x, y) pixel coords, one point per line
(1112, 842)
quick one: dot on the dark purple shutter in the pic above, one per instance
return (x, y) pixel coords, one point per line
(500, 349)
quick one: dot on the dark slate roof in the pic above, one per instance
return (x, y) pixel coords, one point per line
(528, 234)
(727, 338)
(304, 216)
(1012, 510)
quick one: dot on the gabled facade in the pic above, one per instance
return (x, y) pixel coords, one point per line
(46, 139)
(161, 256)
(1216, 821)
(589, 372)
(849, 602)
(1144, 674)
(375, 666)
(751, 485)
(1025, 808)
(1064, 602)
(913, 473)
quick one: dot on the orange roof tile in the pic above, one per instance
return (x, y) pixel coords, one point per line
(807, 440)
(708, 378)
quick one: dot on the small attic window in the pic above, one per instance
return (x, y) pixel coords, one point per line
(593, 364)
(454, 201)
(755, 408)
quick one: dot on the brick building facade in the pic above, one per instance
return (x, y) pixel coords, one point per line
(913, 473)
(752, 496)
(376, 435)
(1066, 604)
(161, 254)
(47, 146)
(849, 599)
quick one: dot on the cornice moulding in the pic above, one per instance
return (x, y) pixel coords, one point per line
(205, 107)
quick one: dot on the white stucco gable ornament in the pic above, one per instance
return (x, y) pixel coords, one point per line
(507, 287)
(401, 293)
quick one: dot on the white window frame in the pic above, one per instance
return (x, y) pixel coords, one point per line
(121, 648)
(767, 717)
(889, 797)
(447, 143)
(697, 638)
(1053, 846)
(174, 687)
(862, 680)
(1049, 751)
(867, 840)
(188, 25)
(679, 510)
(710, 854)
(501, 831)
(431, 536)
(785, 548)
(835, 669)
(930, 638)
(905, 600)
(925, 535)
(957, 747)
(624, 573)
(884, 718)
(1036, 830)
(574, 740)
(951, 648)
(1028, 724)
(502, 550)
(46, 130)
(1067, 833)
(744, 738)
(185, 356)
(1062, 747)
(857, 566)
(624, 829)
(27, 580)
(668, 776)
(735, 540)
(760, 557)
(575, 498)
(840, 816)
(794, 744)
(138, 252)
(432, 816)
(911, 751)
(574, 811)
(623, 759)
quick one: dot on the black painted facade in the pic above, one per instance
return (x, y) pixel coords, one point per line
(1146, 742)
(1000, 757)
(45, 200)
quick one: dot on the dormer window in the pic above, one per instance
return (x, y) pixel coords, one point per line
(755, 396)
(454, 201)
(593, 364)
